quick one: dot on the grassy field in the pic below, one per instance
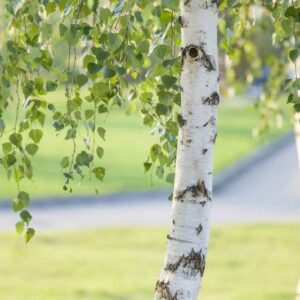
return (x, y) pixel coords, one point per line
(255, 262)
(126, 147)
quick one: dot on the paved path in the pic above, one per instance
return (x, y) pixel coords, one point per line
(262, 188)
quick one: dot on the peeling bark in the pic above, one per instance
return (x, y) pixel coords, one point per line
(187, 242)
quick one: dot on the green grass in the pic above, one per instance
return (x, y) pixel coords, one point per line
(253, 262)
(126, 147)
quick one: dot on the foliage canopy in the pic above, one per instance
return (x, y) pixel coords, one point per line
(122, 53)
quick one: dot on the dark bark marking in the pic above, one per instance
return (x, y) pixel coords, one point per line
(177, 240)
(217, 2)
(214, 138)
(181, 120)
(193, 264)
(182, 22)
(202, 188)
(207, 61)
(195, 190)
(199, 229)
(212, 121)
(213, 99)
(187, 2)
(162, 288)
(204, 151)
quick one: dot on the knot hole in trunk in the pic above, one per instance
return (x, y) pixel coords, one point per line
(193, 52)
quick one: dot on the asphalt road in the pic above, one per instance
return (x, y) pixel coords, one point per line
(264, 188)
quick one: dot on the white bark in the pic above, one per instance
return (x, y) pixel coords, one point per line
(297, 134)
(187, 244)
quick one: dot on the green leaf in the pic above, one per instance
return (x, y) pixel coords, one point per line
(20, 227)
(155, 151)
(16, 139)
(108, 72)
(162, 109)
(83, 159)
(165, 97)
(62, 29)
(169, 81)
(291, 12)
(170, 178)
(2, 126)
(100, 152)
(9, 160)
(170, 4)
(51, 86)
(29, 234)
(99, 173)
(65, 162)
(290, 98)
(102, 109)
(293, 54)
(144, 47)
(26, 216)
(101, 131)
(81, 79)
(7, 147)
(36, 135)
(159, 172)
(71, 134)
(24, 198)
(297, 107)
(100, 54)
(147, 166)
(94, 68)
(21, 201)
(32, 149)
(89, 113)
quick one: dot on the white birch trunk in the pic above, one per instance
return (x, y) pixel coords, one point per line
(297, 134)
(187, 243)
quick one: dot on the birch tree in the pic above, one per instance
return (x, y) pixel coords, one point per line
(192, 198)
(124, 53)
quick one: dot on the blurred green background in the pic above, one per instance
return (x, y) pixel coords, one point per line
(126, 147)
(257, 262)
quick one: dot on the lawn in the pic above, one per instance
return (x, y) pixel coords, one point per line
(126, 147)
(249, 262)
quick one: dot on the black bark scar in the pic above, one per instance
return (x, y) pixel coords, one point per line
(187, 2)
(196, 191)
(199, 229)
(212, 121)
(213, 99)
(182, 22)
(192, 263)
(214, 138)
(181, 120)
(162, 288)
(178, 240)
